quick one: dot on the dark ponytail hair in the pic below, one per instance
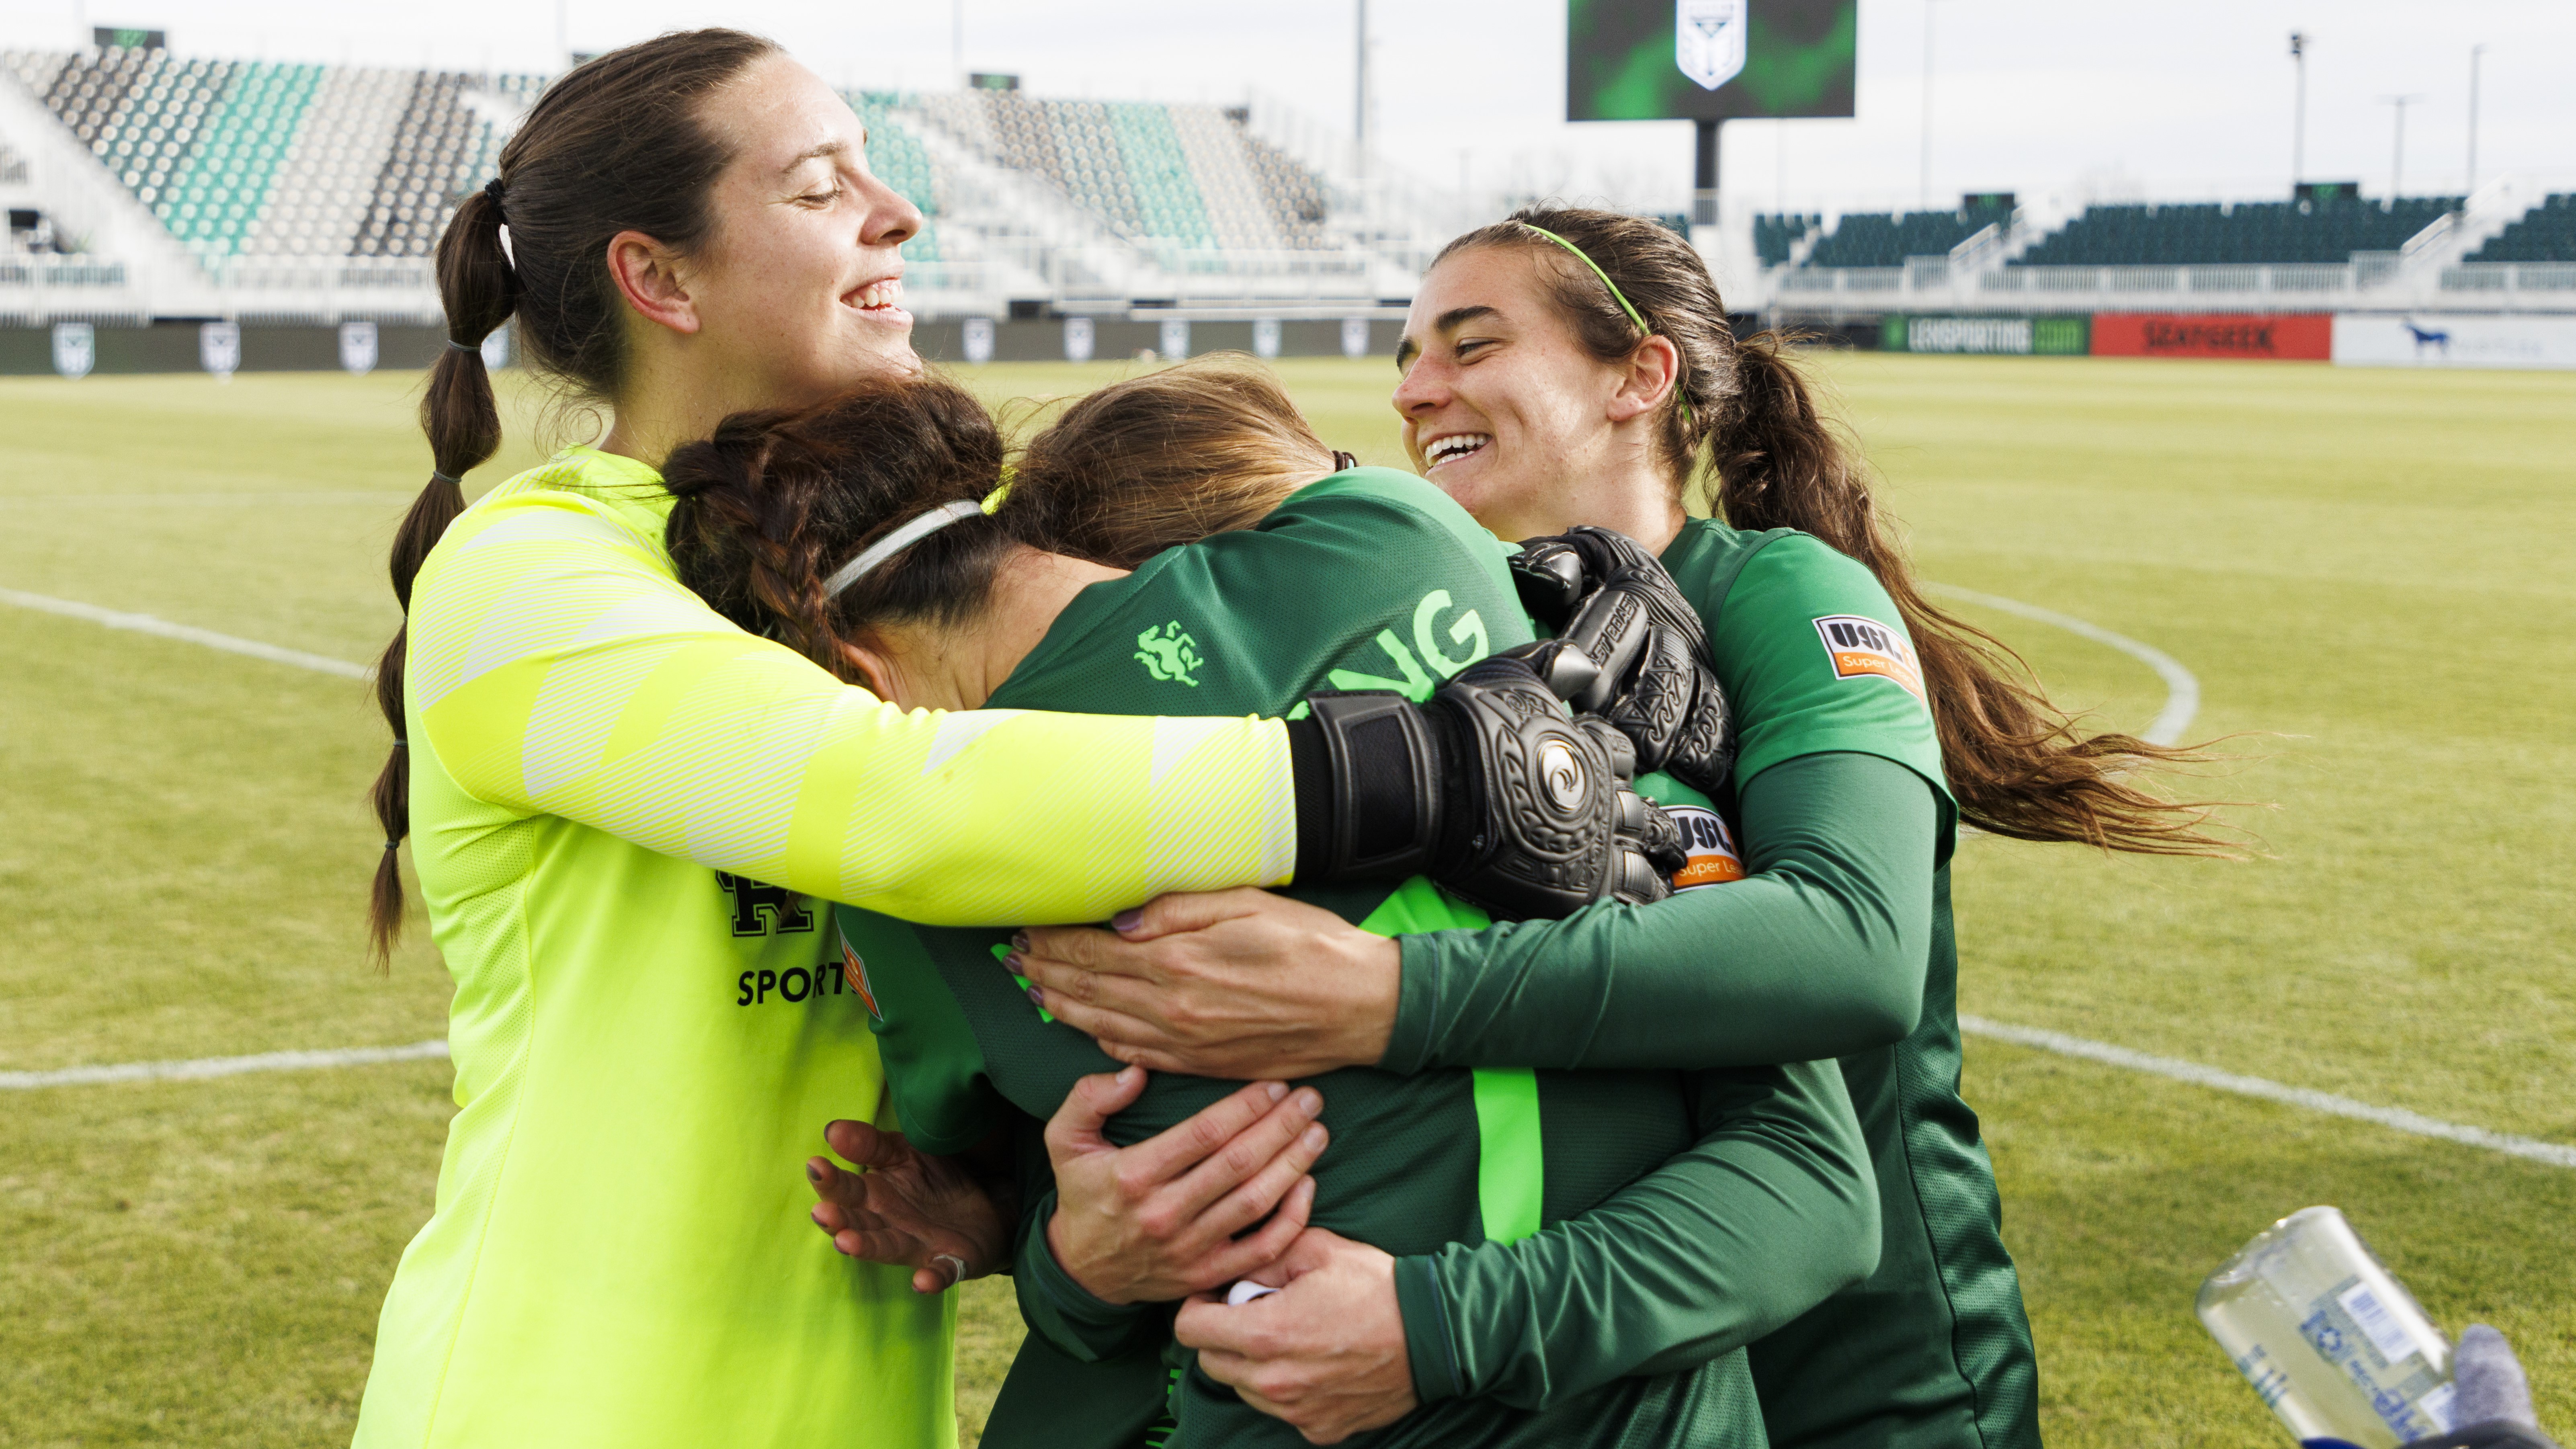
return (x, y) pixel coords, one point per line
(2017, 764)
(774, 502)
(618, 144)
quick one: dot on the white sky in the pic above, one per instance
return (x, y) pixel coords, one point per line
(2170, 100)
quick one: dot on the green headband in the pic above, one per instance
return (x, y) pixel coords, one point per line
(1616, 296)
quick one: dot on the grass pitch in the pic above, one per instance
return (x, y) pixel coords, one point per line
(2369, 567)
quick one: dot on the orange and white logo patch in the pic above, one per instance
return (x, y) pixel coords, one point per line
(1861, 648)
(855, 971)
(1709, 848)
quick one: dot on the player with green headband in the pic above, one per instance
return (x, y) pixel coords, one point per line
(1570, 367)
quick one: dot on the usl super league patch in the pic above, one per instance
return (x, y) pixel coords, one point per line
(1862, 647)
(1708, 848)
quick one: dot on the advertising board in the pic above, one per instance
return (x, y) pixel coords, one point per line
(2429, 339)
(2045, 336)
(2296, 336)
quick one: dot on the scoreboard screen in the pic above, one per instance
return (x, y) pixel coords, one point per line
(1657, 60)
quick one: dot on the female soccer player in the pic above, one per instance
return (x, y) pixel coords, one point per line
(624, 806)
(1575, 367)
(984, 611)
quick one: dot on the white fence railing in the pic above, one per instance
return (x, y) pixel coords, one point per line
(2510, 277)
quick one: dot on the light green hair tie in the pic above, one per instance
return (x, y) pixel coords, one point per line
(1624, 305)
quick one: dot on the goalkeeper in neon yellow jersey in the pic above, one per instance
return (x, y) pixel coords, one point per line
(624, 808)
(983, 606)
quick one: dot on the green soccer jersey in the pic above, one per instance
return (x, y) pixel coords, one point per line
(1933, 1350)
(1368, 579)
(1839, 938)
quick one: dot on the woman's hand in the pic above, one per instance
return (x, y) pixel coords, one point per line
(1325, 1353)
(1157, 1221)
(907, 1208)
(1238, 983)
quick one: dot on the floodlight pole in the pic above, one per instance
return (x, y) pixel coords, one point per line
(1925, 199)
(2299, 110)
(2475, 51)
(1704, 175)
(2397, 156)
(1360, 88)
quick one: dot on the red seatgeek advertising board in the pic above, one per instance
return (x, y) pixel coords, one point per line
(2298, 336)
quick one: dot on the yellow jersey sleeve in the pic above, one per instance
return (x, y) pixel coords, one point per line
(557, 666)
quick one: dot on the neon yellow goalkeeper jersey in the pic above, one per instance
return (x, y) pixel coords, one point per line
(623, 811)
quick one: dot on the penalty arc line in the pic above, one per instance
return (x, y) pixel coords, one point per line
(2182, 687)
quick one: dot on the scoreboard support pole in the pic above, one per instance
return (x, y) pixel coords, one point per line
(1704, 171)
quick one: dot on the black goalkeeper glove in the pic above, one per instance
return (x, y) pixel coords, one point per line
(1489, 789)
(1629, 648)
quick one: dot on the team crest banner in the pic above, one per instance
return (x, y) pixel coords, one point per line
(75, 348)
(219, 347)
(358, 348)
(1708, 40)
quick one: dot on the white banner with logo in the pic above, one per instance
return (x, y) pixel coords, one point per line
(219, 347)
(358, 348)
(75, 348)
(1175, 339)
(1077, 339)
(2450, 339)
(1265, 338)
(1355, 336)
(978, 336)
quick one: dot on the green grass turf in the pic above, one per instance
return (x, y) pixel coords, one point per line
(2369, 566)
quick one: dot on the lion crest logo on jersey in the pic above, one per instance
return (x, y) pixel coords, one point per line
(1170, 654)
(1865, 648)
(1708, 40)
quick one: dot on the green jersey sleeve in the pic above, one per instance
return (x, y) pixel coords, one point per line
(1812, 653)
(558, 667)
(1771, 1212)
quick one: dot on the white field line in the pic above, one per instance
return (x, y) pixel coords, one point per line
(203, 1067)
(2182, 688)
(2396, 1119)
(188, 633)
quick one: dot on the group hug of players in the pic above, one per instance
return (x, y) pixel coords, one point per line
(1533, 962)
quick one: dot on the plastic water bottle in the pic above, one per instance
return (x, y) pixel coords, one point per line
(2332, 1342)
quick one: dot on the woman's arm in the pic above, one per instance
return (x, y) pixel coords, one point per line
(1773, 1210)
(557, 667)
(1819, 952)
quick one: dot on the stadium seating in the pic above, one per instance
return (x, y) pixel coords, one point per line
(1178, 177)
(2215, 233)
(2546, 233)
(1879, 239)
(262, 160)
(1774, 237)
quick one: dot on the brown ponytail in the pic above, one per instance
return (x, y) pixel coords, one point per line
(1167, 458)
(2017, 764)
(615, 145)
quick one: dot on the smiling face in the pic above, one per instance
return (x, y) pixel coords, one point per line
(1506, 410)
(798, 294)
